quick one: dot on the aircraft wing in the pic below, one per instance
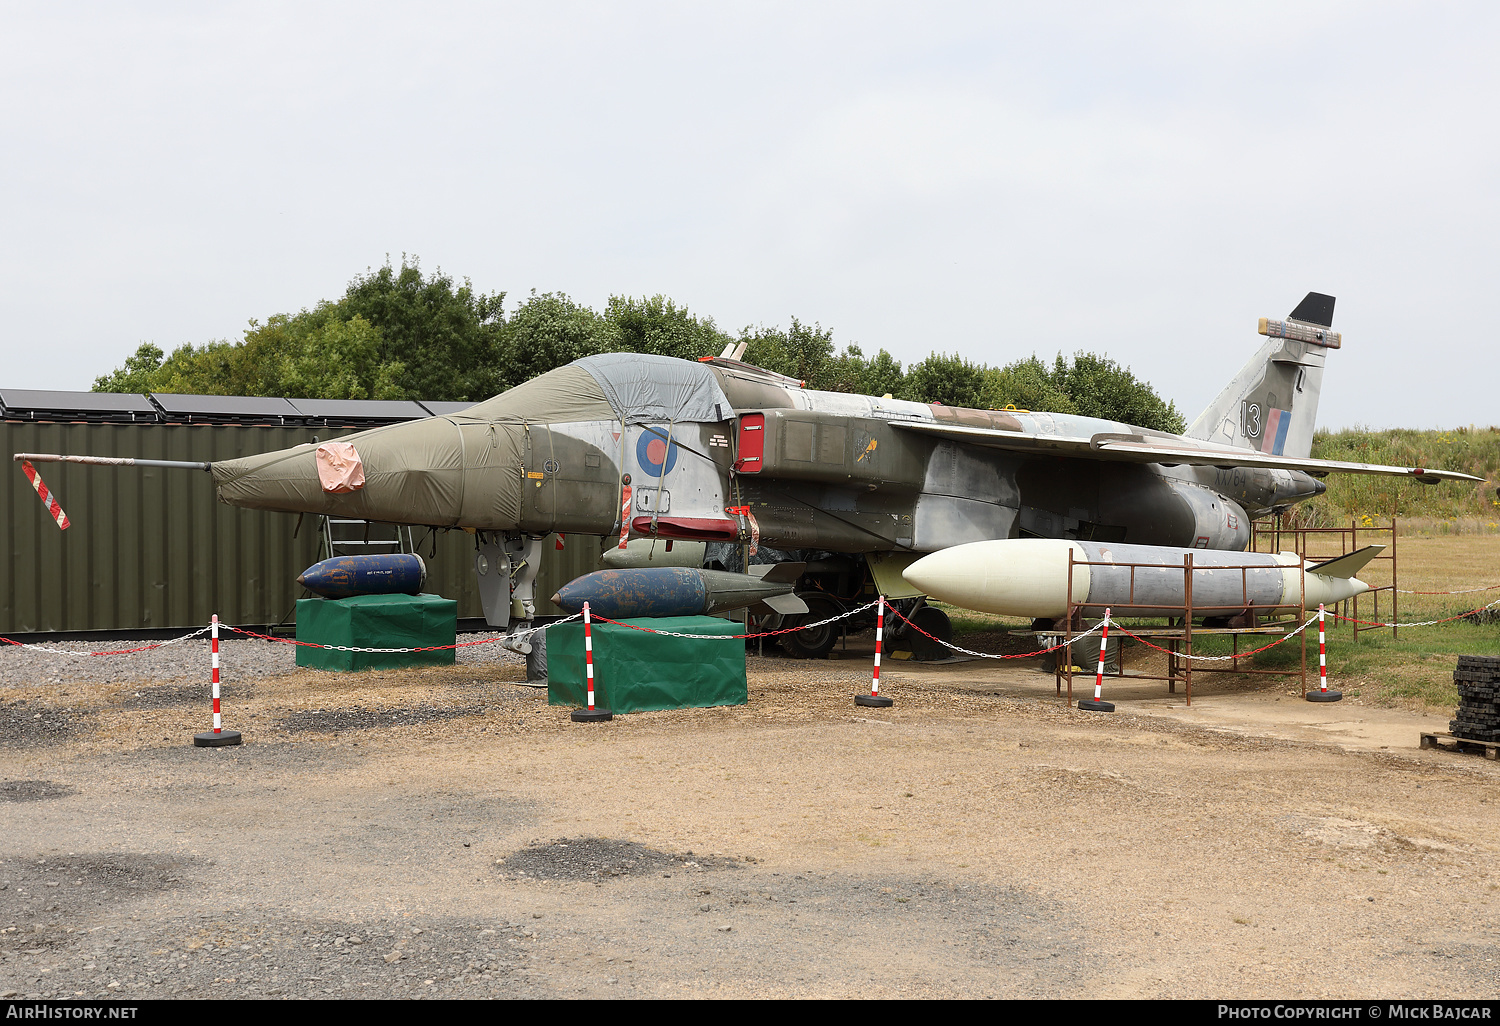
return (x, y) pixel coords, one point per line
(1170, 451)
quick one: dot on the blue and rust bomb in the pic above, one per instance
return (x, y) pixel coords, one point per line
(348, 576)
(681, 591)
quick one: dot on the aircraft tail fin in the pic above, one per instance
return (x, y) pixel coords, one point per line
(1272, 403)
(1347, 566)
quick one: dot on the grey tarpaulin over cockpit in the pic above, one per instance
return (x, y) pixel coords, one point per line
(646, 389)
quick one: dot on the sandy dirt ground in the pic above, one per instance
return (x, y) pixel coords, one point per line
(443, 832)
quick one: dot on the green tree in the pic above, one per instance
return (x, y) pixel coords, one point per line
(1089, 385)
(214, 368)
(211, 369)
(546, 332)
(1026, 384)
(270, 349)
(850, 371)
(136, 374)
(658, 325)
(807, 353)
(340, 360)
(941, 378)
(394, 335)
(310, 355)
(804, 352)
(846, 372)
(399, 334)
(1099, 387)
(880, 375)
(445, 337)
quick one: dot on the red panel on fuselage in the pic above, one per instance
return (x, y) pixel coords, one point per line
(752, 447)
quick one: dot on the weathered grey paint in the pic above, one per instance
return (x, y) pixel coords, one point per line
(152, 548)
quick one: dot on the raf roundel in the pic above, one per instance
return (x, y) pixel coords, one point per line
(656, 454)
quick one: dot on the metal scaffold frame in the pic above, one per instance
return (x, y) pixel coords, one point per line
(1349, 540)
(1178, 637)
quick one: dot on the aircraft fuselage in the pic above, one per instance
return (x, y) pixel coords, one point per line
(835, 472)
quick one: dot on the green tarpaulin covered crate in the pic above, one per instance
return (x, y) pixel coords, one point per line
(635, 671)
(376, 621)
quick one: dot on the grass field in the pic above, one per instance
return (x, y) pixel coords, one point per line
(1414, 668)
(1448, 541)
(1450, 508)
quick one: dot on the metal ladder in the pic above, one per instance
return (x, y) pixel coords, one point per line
(340, 537)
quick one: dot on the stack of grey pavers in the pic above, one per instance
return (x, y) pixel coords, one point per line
(1478, 714)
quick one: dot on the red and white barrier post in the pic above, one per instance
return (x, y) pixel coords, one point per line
(1323, 694)
(54, 509)
(1097, 703)
(590, 715)
(875, 699)
(218, 737)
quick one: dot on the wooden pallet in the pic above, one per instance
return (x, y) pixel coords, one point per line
(1440, 739)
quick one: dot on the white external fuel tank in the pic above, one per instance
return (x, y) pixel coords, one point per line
(1029, 577)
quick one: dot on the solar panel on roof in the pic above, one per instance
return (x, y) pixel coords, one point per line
(440, 408)
(360, 409)
(33, 404)
(225, 407)
(42, 404)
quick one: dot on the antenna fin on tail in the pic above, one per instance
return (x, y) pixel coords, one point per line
(1316, 308)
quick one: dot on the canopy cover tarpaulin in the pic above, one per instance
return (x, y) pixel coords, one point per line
(646, 389)
(563, 396)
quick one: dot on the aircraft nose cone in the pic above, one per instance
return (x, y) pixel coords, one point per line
(432, 471)
(284, 480)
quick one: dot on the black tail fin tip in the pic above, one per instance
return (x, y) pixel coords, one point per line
(1316, 308)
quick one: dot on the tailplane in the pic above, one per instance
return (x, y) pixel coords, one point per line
(1349, 565)
(1272, 403)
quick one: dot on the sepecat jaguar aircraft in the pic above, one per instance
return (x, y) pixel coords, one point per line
(626, 445)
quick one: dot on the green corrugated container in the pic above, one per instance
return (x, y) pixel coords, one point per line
(636, 671)
(376, 621)
(153, 548)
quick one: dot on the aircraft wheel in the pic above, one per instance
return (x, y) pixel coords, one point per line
(935, 622)
(819, 641)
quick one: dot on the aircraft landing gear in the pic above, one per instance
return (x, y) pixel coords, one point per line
(818, 641)
(936, 623)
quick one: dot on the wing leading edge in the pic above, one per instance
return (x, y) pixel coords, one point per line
(1166, 450)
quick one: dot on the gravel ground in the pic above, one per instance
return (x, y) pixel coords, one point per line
(187, 660)
(515, 954)
(442, 831)
(79, 686)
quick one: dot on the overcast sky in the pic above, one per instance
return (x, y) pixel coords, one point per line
(1141, 180)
